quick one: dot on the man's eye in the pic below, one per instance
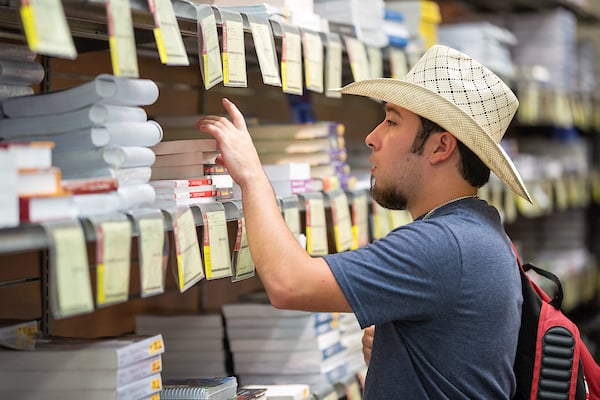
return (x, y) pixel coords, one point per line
(389, 122)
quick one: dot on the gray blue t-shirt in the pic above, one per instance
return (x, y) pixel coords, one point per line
(445, 296)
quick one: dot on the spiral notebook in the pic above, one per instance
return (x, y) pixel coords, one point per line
(220, 388)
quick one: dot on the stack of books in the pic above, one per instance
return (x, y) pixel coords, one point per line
(422, 18)
(483, 41)
(367, 18)
(126, 368)
(9, 196)
(189, 160)
(289, 178)
(19, 71)
(351, 338)
(271, 346)
(39, 182)
(99, 129)
(221, 388)
(321, 145)
(195, 344)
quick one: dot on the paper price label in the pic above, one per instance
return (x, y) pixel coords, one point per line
(187, 249)
(244, 264)
(113, 254)
(265, 51)
(398, 63)
(46, 28)
(211, 54)
(359, 62)
(291, 63)
(166, 33)
(151, 244)
(121, 39)
(333, 71)
(217, 259)
(360, 221)
(313, 61)
(342, 226)
(234, 54)
(70, 287)
(316, 228)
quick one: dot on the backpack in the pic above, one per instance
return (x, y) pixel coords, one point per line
(552, 361)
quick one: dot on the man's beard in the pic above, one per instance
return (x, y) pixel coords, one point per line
(387, 197)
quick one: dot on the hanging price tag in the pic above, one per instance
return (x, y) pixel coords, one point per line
(291, 60)
(312, 46)
(342, 226)
(357, 55)
(46, 28)
(333, 65)
(121, 39)
(166, 33)
(69, 274)
(113, 254)
(234, 50)
(242, 259)
(316, 227)
(265, 50)
(360, 220)
(217, 257)
(187, 250)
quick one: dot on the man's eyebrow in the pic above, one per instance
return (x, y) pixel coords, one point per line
(392, 110)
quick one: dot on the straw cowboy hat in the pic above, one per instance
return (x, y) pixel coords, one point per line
(460, 95)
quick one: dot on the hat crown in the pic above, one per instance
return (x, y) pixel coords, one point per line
(467, 84)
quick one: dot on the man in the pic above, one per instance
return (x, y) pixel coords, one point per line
(443, 291)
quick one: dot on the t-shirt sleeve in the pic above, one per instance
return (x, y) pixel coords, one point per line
(410, 275)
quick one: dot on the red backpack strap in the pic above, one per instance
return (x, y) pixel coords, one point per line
(592, 373)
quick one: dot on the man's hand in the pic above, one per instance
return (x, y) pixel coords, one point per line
(367, 343)
(237, 151)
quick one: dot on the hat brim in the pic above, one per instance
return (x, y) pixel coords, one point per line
(446, 114)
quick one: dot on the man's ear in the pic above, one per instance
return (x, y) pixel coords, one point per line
(444, 146)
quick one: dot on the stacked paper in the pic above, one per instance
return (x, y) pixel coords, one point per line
(483, 41)
(194, 343)
(422, 18)
(320, 144)
(100, 130)
(547, 39)
(289, 178)
(351, 338)
(184, 163)
(127, 368)
(271, 346)
(18, 71)
(219, 388)
(366, 16)
(9, 197)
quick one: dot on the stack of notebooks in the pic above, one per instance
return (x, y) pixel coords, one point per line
(367, 18)
(194, 342)
(422, 18)
(483, 41)
(9, 197)
(351, 338)
(221, 388)
(271, 346)
(19, 71)
(127, 368)
(289, 178)
(185, 173)
(100, 130)
(320, 144)
(41, 197)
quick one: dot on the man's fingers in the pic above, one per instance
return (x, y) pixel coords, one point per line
(237, 118)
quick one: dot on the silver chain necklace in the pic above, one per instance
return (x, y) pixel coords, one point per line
(430, 212)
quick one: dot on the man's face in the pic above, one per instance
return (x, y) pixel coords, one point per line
(396, 171)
